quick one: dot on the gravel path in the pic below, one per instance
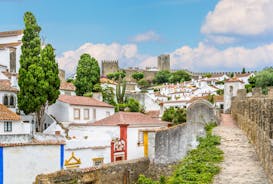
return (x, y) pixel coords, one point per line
(241, 164)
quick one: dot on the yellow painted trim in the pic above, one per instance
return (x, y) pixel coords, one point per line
(73, 161)
(145, 142)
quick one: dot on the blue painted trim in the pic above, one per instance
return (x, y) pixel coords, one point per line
(1, 166)
(61, 156)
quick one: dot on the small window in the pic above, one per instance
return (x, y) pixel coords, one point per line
(6, 100)
(76, 113)
(7, 126)
(11, 102)
(107, 113)
(86, 114)
(94, 115)
(97, 161)
(140, 137)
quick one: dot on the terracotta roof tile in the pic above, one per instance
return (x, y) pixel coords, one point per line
(11, 33)
(243, 75)
(67, 86)
(107, 81)
(234, 79)
(83, 101)
(6, 114)
(153, 114)
(128, 118)
(6, 86)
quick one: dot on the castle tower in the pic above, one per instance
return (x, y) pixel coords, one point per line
(109, 67)
(163, 62)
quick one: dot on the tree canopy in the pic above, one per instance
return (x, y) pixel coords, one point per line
(38, 74)
(116, 75)
(138, 75)
(88, 74)
(264, 78)
(175, 114)
(179, 76)
(162, 77)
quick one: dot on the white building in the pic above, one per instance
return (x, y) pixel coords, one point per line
(10, 49)
(244, 77)
(231, 87)
(11, 123)
(79, 109)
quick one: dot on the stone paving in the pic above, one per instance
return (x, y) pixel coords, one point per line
(241, 164)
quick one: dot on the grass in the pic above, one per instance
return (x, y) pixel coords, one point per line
(199, 166)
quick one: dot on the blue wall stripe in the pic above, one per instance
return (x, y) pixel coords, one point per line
(61, 156)
(1, 166)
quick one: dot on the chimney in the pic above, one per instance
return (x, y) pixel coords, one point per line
(13, 81)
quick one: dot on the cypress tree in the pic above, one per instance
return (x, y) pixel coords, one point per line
(38, 73)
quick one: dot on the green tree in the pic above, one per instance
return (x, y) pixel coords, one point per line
(264, 79)
(175, 115)
(137, 76)
(88, 74)
(243, 70)
(208, 75)
(179, 76)
(232, 75)
(108, 95)
(133, 105)
(116, 75)
(143, 83)
(162, 77)
(38, 74)
(252, 83)
(120, 91)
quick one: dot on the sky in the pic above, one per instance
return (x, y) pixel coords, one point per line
(199, 35)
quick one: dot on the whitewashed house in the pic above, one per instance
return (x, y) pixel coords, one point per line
(79, 109)
(11, 123)
(244, 77)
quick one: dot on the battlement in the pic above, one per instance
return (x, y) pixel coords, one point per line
(109, 61)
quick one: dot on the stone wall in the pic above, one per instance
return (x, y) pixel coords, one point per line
(202, 111)
(254, 115)
(172, 144)
(123, 172)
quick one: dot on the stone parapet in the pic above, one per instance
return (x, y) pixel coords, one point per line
(254, 115)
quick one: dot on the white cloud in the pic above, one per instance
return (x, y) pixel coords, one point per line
(220, 39)
(145, 37)
(209, 58)
(240, 17)
(115, 51)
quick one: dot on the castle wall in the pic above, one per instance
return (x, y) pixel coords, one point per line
(148, 75)
(119, 173)
(109, 67)
(254, 116)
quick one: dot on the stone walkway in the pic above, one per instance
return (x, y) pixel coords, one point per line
(240, 165)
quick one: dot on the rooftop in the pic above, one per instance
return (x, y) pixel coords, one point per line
(11, 33)
(5, 85)
(7, 45)
(69, 86)
(128, 118)
(6, 114)
(82, 101)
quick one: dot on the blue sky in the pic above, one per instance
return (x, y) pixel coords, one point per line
(200, 35)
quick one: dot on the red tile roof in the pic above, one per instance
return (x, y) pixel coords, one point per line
(234, 79)
(82, 101)
(127, 118)
(69, 86)
(153, 114)
(11, 33)
(243, 75)
(5, 85)
(6, 114)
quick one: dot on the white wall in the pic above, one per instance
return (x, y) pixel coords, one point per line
(60, 111)
(86, 155)
(134, 151)
(100, 113)
(18, 127)
(228, 95)
(23, 163)
(3, 93)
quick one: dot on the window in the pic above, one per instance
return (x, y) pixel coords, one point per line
(94, 115)
(7, 126)
(107, 113)
(86, 114)
(76, 113)
(97, 161)
(11, 101)
(6, 100)
(140, 138)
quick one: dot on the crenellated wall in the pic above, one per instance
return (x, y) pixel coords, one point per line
(254, 115)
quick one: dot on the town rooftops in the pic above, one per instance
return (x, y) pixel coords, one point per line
(234, 79)
(243, 75)
(69, 86)
(6, 114)
(82, 101)
(128, 118)
(5, 85)
(11, 33)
